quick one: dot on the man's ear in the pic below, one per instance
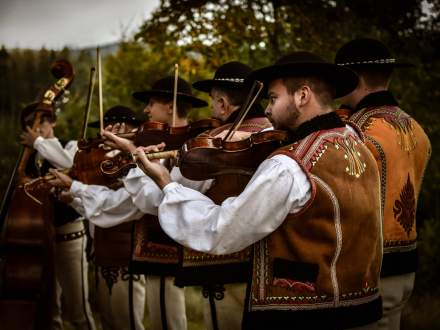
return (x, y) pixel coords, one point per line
(170, 107)
(53, 124)
(224, 104)
(302, 96)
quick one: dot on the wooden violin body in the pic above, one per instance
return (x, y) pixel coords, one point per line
(203, 158)
(27, 244)
(86, 165)
(152, 133)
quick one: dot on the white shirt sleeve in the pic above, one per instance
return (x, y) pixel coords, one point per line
(146, 195)
(52, 150)
(103, 206)
(278, 187)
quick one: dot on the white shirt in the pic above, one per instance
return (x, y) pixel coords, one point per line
(52, 150)
(60, 157)
(140, 195)
(278, 187)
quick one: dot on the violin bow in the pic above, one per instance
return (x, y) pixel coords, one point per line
(245, 108)
(101, 112)
(89, 102)
(176, 79)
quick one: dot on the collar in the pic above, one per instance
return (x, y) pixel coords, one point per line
(327, 121)
(377, 99)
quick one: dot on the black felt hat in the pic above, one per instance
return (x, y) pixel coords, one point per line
(365, 52)
(165, 87)
(304, 64)
(118, 114)
(229, 75)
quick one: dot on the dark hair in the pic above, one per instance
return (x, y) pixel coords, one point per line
(374, 75)
(236, 96)
(27, 116)
(320, 87)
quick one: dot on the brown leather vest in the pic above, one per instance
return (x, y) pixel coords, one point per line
(154, 253)
(202, 268)
(324, 260)
(113, 245)
(402, 151)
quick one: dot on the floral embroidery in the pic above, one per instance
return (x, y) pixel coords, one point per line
(404, 209)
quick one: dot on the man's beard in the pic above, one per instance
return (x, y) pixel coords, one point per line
(291, 118)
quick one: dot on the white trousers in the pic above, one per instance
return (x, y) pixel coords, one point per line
(113, 304)
(396, 291)
(229, 309)
(72, 290)
(174, 304)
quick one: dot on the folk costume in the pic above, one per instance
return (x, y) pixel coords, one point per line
(112, 254)
(71, 266)
(402, 151)
(154, 253)
(223, 278)
(304, 214)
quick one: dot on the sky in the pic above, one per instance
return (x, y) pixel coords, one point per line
(74, 23)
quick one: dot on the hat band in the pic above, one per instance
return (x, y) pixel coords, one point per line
(106, 118)
(381, 61)
(238, 80)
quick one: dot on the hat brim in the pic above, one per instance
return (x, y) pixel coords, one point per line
(207, 85)
(136, 122)
(342, 79)
(144, 96)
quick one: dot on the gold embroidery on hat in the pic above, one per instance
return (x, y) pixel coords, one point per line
(355, 165)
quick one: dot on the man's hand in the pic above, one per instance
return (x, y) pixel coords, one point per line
(62, 195)
(29, 136)
(117, 142)
(61, 180)
(119, 128)
(237, 136)
(153, 169)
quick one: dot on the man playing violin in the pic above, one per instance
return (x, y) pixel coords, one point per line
(112, 274)
(71, 266)
(107, 208)
(311, 211)
(222, 278)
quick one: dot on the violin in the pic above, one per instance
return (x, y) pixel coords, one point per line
(27, 278)
(152, 133)
(205, 157)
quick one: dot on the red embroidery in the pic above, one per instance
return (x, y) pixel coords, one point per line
(292, 284)
(405, 209)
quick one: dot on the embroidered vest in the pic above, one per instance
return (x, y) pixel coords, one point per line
(205, 269)
(113, 245)
(402, 151)
(154, 253)
(321, 266)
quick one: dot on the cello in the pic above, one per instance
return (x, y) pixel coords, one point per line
(27, 234)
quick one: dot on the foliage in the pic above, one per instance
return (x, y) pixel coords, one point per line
(200, 35)
(257, 32)
(136, 67)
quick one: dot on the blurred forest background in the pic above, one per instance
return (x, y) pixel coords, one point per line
(201, 35)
